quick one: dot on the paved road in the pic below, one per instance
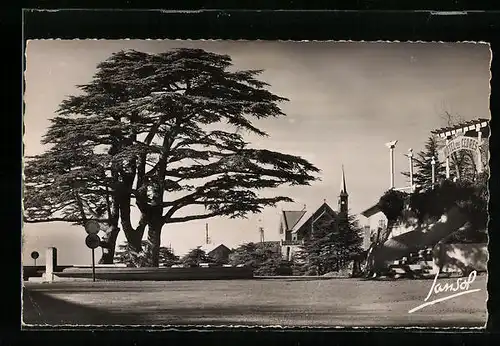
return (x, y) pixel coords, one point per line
(288, 302)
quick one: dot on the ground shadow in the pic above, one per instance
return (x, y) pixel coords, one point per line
(44, 311)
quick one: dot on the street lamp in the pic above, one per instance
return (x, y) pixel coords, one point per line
(391, 146)
(433, 164)
(433, 169)
(410, 161)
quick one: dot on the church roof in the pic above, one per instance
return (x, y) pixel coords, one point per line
(307, 216)
(343, 188)
(291, 217)
(294, 220)
(314, 215)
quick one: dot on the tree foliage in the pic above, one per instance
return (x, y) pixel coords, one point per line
(161, 132)
(69, 183)
(332, 246)
(264, 258)
(195, 257)
(392, 203)
(127, 255)
(470, 197)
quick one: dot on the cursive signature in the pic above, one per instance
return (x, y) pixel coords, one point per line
(461, 287)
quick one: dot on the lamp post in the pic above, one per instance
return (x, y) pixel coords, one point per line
(391, 146)
(410, 162)
(433, 169)
(479, 159)
(433, 165)
(447, 160)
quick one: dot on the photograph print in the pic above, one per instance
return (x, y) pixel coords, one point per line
(255, 183)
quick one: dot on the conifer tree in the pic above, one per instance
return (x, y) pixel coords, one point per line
(126, 255)
(422, 173)
(195, 257)
(163, 133)
(332, 246)
(263, 258)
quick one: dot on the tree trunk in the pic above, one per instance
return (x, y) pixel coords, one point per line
(108, 245)
(134, 242)
(155, 225)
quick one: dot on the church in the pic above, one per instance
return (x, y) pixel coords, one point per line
(297, 225)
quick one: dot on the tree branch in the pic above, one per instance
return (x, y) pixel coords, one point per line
(80, 205)
(190, 218)
(62, 219)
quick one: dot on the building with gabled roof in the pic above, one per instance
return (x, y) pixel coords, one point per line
(219, 253)
(298, 225)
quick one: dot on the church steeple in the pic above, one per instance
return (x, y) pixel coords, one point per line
(343, 196)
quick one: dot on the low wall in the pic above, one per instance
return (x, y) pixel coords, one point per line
(159, 274)
(461, 257)
(32, 271)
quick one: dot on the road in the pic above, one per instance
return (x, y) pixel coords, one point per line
(287, 302)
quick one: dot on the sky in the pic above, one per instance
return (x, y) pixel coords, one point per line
(346, 100)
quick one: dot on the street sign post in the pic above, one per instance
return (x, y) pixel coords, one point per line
(93, 241)
(35, 255)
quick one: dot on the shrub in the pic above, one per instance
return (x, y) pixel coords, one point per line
(392, 204)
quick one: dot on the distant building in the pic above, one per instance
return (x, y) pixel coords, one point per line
(218, 253)
(375, 221)
(297, 225)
